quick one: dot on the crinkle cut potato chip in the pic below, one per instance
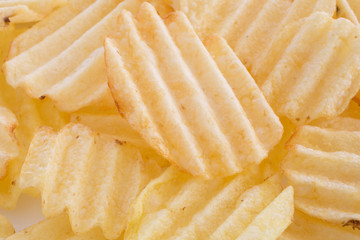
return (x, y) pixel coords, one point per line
(62, 56)
(6, 228)
(94, 177)
(206, 115)
(249, 26)
(25, 11)
(179, 206)
(9, 148)
(312, 68)
(305, 227)
(57, 228)
(323, 167)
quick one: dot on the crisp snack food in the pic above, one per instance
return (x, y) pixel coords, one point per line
(322, 165)
(192, 108)
(305, 227)
(25, 11)
(249, 26)
(93, 176)
(343, 9)
(57, 228)
(64, 60)
(189, 207)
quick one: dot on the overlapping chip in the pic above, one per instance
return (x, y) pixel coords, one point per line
(343, 9)
(25, 11)
(323, 165)
(94, 177)
(57, 228)
(62, 56)
(200, 109)
(305, 227)
(249, 25)
(179, 206)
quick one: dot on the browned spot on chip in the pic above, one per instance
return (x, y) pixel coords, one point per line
(42, 97)
(6, 20)
(353, 223)
(120, 142)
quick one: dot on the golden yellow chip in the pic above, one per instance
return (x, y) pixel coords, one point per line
(25, 11)
(179, 206)
(57, 228)
(204, 114)
(323, 167)
(62, 56)
(249, 26)
(94, 177)
(305, 227)
(6, 228)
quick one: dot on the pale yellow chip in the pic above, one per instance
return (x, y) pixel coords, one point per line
(249, 26)
(179, 206)
(323, 167)
(305, 227)
(30, 114)
(6, 228)
(57, 228)
(93, 176)
(204, 114)
(62, 56)
(25, 11)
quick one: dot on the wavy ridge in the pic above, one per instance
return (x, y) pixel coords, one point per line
(191, 107)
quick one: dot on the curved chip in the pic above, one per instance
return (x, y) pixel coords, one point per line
(323, 165)
(178, 206)
(249, 26)
(305, 227)
(204, 114)
(64, 60)
(94, 177)
(25, 11)
(343, 9)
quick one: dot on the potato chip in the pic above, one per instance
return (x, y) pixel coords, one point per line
(66, 61)
(179, 206)
(322, 165)
(204, 114)
(94, 177)
(6, 228)
(57, 228)
(24, 11)
(305, 227)
(355, 7)
(249, 26)
(315, 53)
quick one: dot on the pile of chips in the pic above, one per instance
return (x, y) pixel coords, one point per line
(180, 119)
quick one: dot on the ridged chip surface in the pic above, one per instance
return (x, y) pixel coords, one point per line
(249, 25)
(323, 167)
(178, 206)
(94, 177)
(312, 69)
(62, 56)
(199, 108)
